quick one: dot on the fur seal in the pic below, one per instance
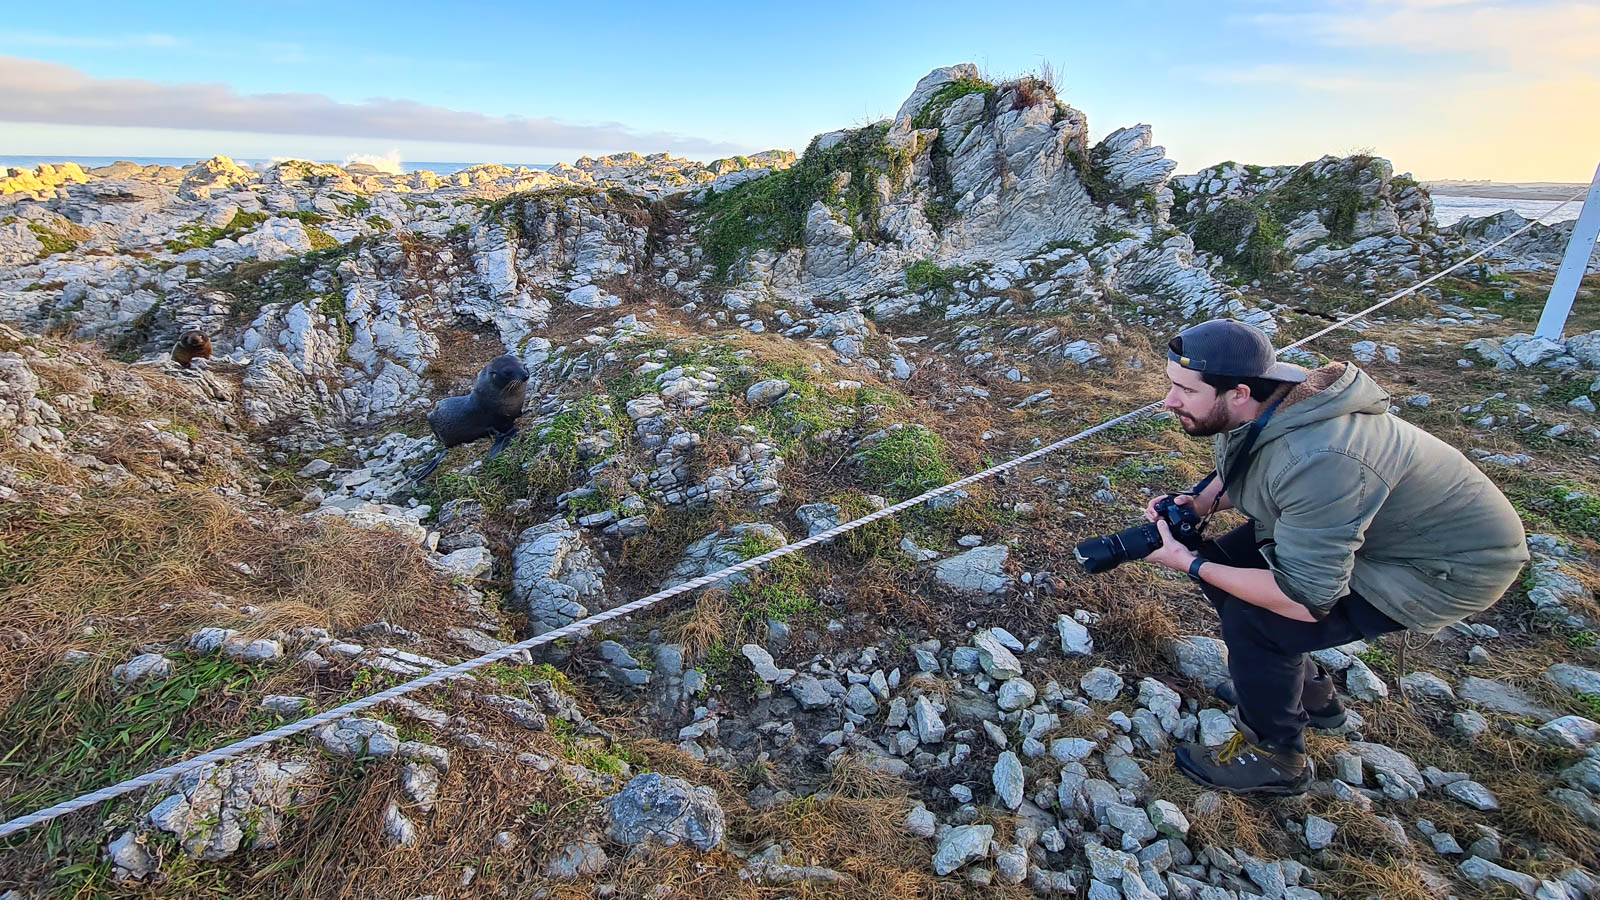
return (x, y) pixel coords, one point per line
(191, 345)
(491, 409)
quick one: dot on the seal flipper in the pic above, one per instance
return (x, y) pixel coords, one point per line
(502, 440)
(427, 468)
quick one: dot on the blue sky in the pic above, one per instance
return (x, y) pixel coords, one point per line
(1445, 88)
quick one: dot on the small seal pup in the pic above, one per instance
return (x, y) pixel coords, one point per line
(191, 345)
(491, 409)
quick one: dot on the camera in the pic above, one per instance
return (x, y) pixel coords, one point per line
(1102, 554)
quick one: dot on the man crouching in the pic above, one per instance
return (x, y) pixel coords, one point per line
(1360, 524)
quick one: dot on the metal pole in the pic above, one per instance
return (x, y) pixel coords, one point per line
(1573, 265)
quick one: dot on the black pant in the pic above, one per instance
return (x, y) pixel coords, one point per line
(1274, 679)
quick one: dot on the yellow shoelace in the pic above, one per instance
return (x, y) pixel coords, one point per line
(1233, 747)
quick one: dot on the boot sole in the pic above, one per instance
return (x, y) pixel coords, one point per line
(1277, 790)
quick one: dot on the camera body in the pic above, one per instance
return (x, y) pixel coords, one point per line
(1103, 554)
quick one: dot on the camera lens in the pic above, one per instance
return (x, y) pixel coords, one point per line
(1102, 554)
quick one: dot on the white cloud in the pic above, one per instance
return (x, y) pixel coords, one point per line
(1542, 38)
(37, 91)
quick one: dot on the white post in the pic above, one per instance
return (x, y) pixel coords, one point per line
(1573, 265)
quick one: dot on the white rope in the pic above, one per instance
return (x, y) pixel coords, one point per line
(158, 776)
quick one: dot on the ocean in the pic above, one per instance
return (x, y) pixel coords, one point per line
(91, 162)
(1450, 210)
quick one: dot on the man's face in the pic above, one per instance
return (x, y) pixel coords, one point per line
(1200, 408)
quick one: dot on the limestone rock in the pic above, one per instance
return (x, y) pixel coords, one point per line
(664, 810)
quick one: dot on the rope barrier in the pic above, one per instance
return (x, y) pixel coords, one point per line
(230, 751)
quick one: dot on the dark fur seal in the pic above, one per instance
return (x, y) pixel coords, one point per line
(491, 409)
(192, 345)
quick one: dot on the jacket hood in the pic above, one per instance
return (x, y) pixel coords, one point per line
(1334, 390)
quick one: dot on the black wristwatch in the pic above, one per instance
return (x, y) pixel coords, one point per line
(1194, 567)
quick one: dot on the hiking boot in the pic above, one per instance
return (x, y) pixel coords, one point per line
(1243, 765)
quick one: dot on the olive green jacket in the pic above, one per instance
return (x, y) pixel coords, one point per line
(1351, 498)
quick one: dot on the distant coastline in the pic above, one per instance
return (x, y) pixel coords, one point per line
(178, 162)
(1501, 190)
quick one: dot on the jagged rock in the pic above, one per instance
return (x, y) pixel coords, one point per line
(921, 822)
(1482, 872)
(1574, 732)
(1008, 780)
(1427, 684)
(995, 658)
(664, 810)
(130, 861)
(1016, 694)
(577, 860)
(1202, 658)
(1101, 683)
(1319, 832)
(720, 550)
(961, 845)
(1574, 679)
(980, 570)
(553, 574)
(1501, 697)
(144, 667)
(1388, 760)
(1472, 794)
(1075, 639)
(216, 809)
(809, 692)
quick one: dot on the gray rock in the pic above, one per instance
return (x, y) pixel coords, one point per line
(1101, 683)
(1390, 761)
(144, 667)
(1202, 658)
(860, 700)
(284, 705)
(1132, 822)
(1581, 804)
(921, 822)
(664, 810)
(1008, 780)
(1363, 683)
(130, 861)
(398, 831)
(1472, 794)
(960, 846)
(980, 570)
(553, 576)
(1016, 694)
(809, 692)
(1501, 697)
(1481, 872)
(1126, 772)
(766, 668)
(818, 517)
(1071, 749)
(1575, 732)
(1216, 727)
(1319, 832)
(995, 658)
(766, 393)
(1075, 639)
(577, 860)
(1168, 819)
(1470, 724)
(1427, 684)
(927, 722)
(1574, 679)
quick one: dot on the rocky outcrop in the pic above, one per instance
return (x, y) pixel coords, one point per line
(1540, 249)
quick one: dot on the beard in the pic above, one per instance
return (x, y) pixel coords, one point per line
(1214, 422)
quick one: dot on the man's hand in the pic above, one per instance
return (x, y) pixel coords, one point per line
(1171, 554)
(1180, 499)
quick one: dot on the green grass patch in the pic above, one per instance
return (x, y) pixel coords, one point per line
(926, 275)
(933, 110)
(908, 462)
(1245, 234)
(253, 285)
(52, 242)
(63, 740)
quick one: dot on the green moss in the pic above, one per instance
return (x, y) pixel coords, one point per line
(256, 284)
(379, 223)
(355, 207)
(1238, 222)
(320, 240)
(52, 242)
(513, 209)
(925, 275)
(909, 461)
(771, 212)
(933, 111)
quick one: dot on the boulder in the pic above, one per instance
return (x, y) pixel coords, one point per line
(660, 809)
